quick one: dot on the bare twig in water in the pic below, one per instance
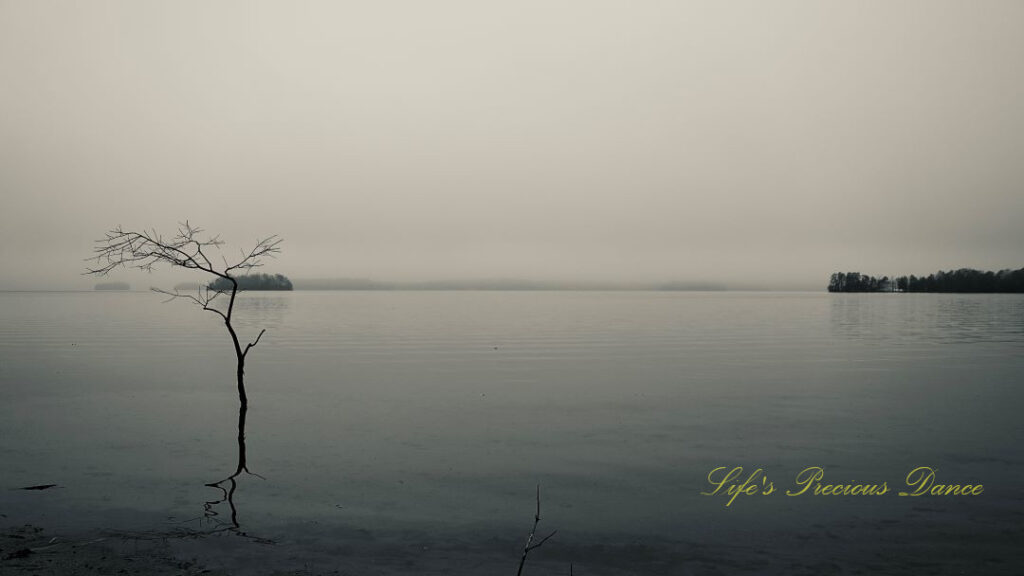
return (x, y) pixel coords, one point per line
(530, 545)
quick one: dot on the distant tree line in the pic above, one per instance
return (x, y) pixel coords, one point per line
(254, 282)
(962, 280)
(112, 286)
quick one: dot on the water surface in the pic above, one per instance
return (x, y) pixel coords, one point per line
(405, 432)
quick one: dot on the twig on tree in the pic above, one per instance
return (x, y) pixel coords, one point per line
(529, 540)
(254, 343)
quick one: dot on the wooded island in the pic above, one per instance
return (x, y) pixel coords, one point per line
(965, 280)
(254, 282)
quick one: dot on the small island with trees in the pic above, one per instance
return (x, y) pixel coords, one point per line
(966, 280)
(254, 282)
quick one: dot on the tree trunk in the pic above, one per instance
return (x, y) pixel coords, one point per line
(241, 382)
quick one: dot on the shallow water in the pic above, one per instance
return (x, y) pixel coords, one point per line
(405, 432)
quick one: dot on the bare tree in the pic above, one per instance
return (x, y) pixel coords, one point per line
(186, 249)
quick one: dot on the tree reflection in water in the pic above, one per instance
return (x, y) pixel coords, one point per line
(228, 485)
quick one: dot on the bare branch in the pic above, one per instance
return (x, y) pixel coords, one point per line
(144, 250)
(269, 246)
(543, 540)
(251, 344)
(529, 540)
(203, 298)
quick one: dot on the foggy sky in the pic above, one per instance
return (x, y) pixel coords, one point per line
(742, 142)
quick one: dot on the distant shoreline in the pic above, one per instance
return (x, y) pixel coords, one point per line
(504, 285)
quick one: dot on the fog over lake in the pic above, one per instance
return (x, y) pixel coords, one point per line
(749, 143)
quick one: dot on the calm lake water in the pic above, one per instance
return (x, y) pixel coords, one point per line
(405, 432)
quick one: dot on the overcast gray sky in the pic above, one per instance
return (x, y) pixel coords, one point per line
(743, 142)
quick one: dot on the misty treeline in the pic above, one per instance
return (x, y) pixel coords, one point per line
(962, 280)
(254, 282)
(112, 286)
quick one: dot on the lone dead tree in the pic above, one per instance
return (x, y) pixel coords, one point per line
(186, 249)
